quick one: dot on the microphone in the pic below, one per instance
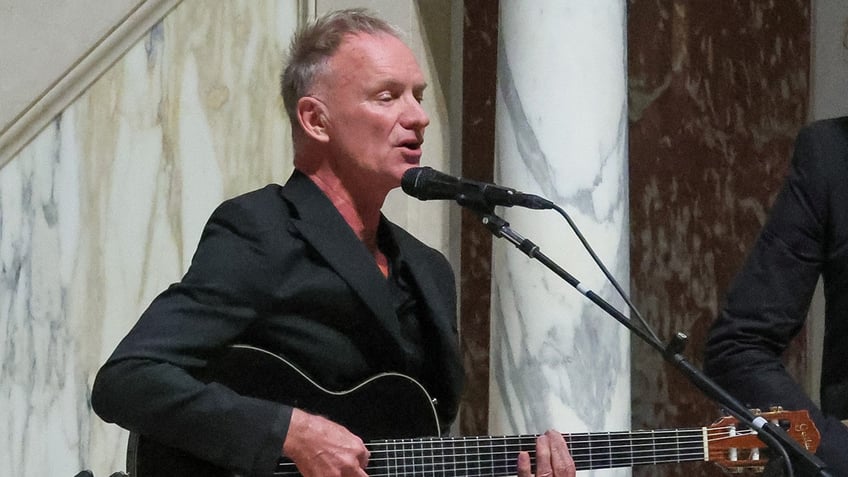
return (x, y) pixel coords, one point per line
(425, 183)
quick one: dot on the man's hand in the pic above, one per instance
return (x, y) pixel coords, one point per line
(552, 457)
(322, 448)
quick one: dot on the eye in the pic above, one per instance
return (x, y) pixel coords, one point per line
(385, 97)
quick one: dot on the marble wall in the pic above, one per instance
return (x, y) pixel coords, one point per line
(41, 40)
(103, 209)
(717, 92)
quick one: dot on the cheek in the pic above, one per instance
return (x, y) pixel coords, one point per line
(379, 122)
(370, 130)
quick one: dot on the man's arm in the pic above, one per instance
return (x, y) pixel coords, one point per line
(768, 300)
(149, 383)
(322, 448)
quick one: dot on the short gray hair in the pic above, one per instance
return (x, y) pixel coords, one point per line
(313, 45)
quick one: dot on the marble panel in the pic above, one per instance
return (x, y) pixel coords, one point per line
(479, 97)
(717, 92)
(104, 209)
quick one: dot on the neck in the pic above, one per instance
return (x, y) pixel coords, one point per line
(359, 209)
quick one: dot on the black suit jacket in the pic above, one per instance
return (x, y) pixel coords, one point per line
(805, 237)
(277, 268)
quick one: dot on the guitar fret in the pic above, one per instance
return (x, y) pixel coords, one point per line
(408, 454)
(483, 450)
(472, 460)
(580, 449)
(653, 447)
(428, 461)
(621, 457)
(415, 454)
(443, 457)
(677, 436)
(465, 455)
(600, 443)
(447, 457)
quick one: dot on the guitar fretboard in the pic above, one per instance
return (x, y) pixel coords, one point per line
(493, 456)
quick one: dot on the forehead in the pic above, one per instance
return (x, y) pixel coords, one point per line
(376, 58)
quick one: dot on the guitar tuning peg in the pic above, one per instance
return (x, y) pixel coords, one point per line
(756, 411)
(776, 409)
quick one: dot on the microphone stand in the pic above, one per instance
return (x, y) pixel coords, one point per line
(772, 435)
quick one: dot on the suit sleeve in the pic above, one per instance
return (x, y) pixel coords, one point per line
(148, 384)
(768, 301)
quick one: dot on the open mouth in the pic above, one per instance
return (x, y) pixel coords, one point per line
(411, 145)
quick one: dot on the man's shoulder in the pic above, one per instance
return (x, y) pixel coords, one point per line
(268, 193)
(822, 148)
(261, 204)
(834, 127)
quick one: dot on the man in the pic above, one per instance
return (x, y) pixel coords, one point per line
(805, 237)
(310, 271)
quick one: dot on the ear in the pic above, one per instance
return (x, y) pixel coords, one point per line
(312, 115)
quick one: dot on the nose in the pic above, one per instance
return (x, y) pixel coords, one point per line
(414, 116)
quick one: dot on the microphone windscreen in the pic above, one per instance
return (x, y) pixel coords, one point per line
(412, 178)
(426, 183)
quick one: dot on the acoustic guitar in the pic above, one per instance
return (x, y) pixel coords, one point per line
(392, 411)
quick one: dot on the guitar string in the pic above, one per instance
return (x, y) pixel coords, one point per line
(596, 440)
(691, 448)
(623, 435)
(578, 439)
(489, 466)
(507, 465)
(506, 461)
(474, 468)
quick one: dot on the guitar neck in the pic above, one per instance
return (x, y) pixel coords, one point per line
(496, 456)
(626, 449)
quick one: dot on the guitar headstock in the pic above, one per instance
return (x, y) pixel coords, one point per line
(736, 447)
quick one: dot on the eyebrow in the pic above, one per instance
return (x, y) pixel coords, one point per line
(391, 83)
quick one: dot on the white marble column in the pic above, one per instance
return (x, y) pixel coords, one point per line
(557, 359)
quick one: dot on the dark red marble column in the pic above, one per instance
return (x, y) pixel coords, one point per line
(479, 80)
(718, 90)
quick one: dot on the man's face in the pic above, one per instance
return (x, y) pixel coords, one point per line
(375, 122)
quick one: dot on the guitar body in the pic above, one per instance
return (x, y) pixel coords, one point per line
(387, 406)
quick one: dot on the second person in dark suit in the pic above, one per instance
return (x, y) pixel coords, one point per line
(805, 237)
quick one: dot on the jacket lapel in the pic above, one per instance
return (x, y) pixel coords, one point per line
(438, 294)
(433, 294)
(323, 227)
